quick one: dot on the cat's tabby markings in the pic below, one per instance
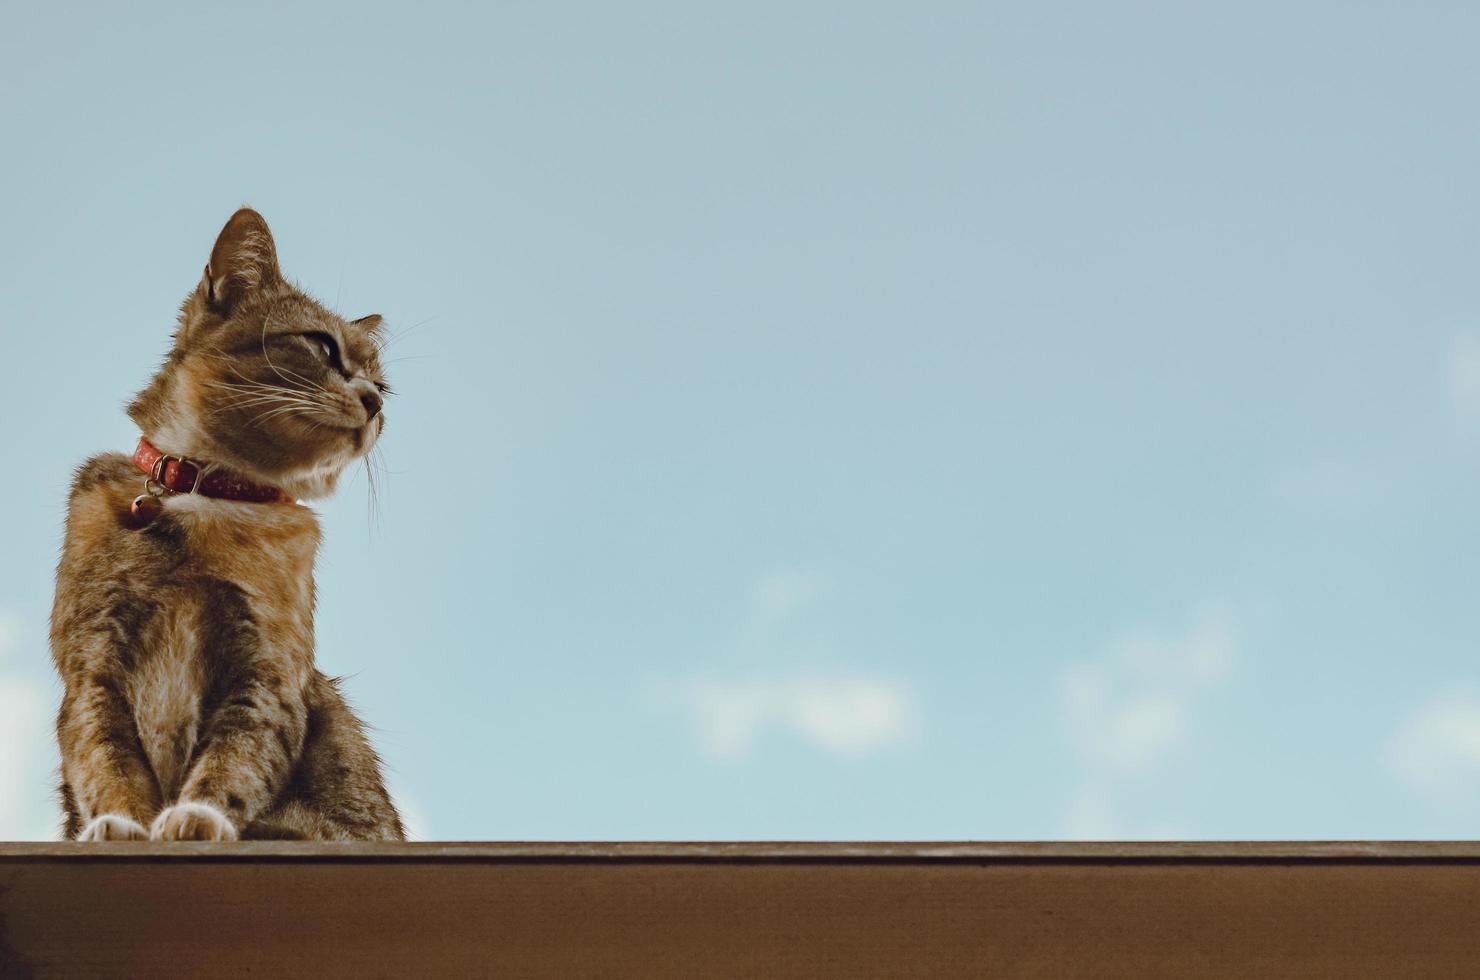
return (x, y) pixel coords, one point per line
(192, 708)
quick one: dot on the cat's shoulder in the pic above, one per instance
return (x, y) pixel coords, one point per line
(102, 489)
(103, 470)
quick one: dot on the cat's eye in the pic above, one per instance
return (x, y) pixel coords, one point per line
(326, 345)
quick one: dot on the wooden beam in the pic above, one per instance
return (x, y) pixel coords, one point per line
(772, 910)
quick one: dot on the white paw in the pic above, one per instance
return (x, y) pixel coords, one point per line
(191, 821)
(111, 826)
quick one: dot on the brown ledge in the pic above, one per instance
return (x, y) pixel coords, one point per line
(1225, 909)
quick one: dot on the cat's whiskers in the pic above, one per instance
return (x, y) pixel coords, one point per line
(395, 337)
(252, 392)
(375, 460)
(265, 403)
(271, 400)
(256, 392)
(316, 414)
(311, 403)
(404, 357)
(293, 411)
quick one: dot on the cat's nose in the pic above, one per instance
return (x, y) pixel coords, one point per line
(372, 402)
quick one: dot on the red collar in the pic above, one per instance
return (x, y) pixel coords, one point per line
(180, 475)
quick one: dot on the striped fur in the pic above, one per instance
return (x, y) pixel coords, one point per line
(192, 709)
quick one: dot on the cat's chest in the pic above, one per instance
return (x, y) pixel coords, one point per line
(167, 690)
(241, 592)
(266, 549)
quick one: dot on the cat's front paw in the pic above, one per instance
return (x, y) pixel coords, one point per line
(112, 826)
(191, 821)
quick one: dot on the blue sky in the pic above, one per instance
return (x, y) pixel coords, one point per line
(822, 420)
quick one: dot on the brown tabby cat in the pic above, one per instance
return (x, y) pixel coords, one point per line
(183, 621)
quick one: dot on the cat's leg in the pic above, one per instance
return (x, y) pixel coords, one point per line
(337, 791)
(285, 821)
(248, 747)
(109, 784)
(71, 819)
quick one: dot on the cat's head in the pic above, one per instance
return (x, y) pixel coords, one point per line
(262, 378)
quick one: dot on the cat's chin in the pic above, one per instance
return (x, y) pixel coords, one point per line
(336, 449)
(361, 439)
(317, 481)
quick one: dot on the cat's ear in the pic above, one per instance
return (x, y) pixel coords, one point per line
(244, 259)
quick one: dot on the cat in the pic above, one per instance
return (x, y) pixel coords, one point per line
(182, 627)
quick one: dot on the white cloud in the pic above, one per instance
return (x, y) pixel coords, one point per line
(27, 808)
(1462, 374)
(1127, 710)
(786, 590)
(1436, 751)
(841, 714)
(1201, 656)
(1119, 731)
(837, 711)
